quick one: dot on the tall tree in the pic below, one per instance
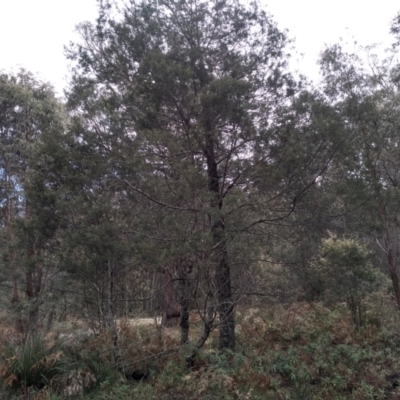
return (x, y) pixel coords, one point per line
(28, 109)
(192, 99)
(365, 96)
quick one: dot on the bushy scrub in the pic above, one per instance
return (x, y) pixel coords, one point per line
(347, 274)
(31, 363)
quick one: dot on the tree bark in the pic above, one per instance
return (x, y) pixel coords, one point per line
(171, 309)
(111, 316)
(184, 304)
(388, 248)
(392, 268)
(223, 275)
(224, 290)
(15, 299)
(34, 277)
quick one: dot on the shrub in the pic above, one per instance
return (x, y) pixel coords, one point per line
(31, 363)
(347, 274)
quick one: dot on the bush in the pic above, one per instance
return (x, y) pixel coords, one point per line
(347, 274)
(31, 363)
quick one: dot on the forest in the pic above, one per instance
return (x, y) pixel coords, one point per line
(195, 221)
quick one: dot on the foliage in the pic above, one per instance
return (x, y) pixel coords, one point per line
(364, 89)
(28, 111)
(31, 363)
(347, 274)
(202, 131)
(301, 352)
(188, 172)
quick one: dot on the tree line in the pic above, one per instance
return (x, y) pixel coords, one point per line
(189, 171)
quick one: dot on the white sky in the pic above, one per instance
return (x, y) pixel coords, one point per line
(34, 32)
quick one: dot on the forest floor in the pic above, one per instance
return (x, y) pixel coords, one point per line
(301, 351)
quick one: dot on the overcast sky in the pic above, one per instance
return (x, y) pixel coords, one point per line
(34, 32)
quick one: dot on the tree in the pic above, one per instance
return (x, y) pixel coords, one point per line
(345, 269)
(28, 109)
(367, 101)
(192, 103)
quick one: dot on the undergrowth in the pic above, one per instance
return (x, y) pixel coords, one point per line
(304, 351)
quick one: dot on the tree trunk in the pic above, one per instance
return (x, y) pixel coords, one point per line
(171, 309)
(15, 299)
(18, 323)
(223, 275)
(225, 301)
(154, 295)
(388, 248)
(111, 316)
(33, 277)
(392, 268)
(184, 304)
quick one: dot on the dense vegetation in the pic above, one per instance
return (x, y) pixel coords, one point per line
(194, 221)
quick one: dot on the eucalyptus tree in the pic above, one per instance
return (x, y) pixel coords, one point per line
(92, 216)
(366, 96)
(28, 109)
(193, 104)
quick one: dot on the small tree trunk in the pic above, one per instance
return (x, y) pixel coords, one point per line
(100, 312)
(18, 323)
(184, 322)
(225, 301)
(171, 309)
(184, 305)
(208, 323)
(388, 248)
(392, 269)
(34, 277)
(111, 316)
(154, 301)
(15, 299)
